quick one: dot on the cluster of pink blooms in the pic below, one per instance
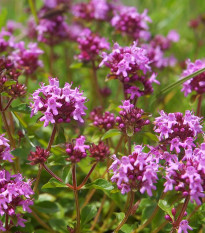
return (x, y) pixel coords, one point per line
(177, 131)
(137, 171)
(99, 152)
(102, 120)
(129, 21)
(197, 83)
(94, 9)
(130, 118)
(26, 59)
(126, 61)
(90, 45)
(77, 151)
(14, 192)
(58, 104)
(5, 150)
(156, 48)
(135, 91)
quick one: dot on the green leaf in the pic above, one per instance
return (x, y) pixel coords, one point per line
(21, 152)
(61, 136)
(24, 108)
(58, 224)
(179, 82)
(111, 133)
(166, 207)
(66, 174)
(9, 83)
(100, 184)
(47, 207)
(127, 228)
(53, 183)
(76, 65)
(88, 213)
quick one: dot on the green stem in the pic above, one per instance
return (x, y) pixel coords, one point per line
(38, 178)
(129, 210)
(77, 228)
(33, 10)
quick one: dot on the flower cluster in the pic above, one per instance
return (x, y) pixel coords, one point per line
(5, 150)
(90, 45)
(129, 21)
(94, 9)
(9, 79)
(6, 40)
(102, 120)
(126, 61)
(197, 83)
(143, 86)
(38, 156)
(130, 119)
(156, 48)
(26, 59)
(99, 152)
(77, 151)
(177, 131)
(14, 192)
(137, 171)
(58, 104)
(188, 176)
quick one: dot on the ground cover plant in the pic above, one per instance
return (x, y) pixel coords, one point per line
(102, 116)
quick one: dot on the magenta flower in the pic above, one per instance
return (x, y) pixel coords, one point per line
(137, 171)
(176, 130)
(27, 59)
(90, 45)
(197, 83)
(126, 61)
(14, 193)
(183, 227)
(58, 104)
(5, 150)
(77, 151)
(129, 21)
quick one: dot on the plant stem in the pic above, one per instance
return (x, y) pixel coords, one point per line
(8, 104)
(87, 177)
(98, 213)
(77, 229)
(199, 106)
(7, 222)
(129, 145)
(128, 212)
(119, 144)
(52, 138)
(38, 178)
(181, 215)
(41, 222)
(96, 87)
(149, 220)
(33, 10)
(55, 176)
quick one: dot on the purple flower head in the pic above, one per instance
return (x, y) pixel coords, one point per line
(184, 227)
(176, 130)
(5, 150)
(129, 21)
(93, 10)
(131, 118)
(58, 104)
(90, 45)
(77, 151)
(100, 151)
(14, 193)
(102, 120)
(137, 171)
(27, 59)
(126, 61)
(197, 83)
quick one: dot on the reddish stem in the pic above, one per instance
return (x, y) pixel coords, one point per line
(199, 105)
(87, 177)
(8, 104)
(55, 176)
(52, 138)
